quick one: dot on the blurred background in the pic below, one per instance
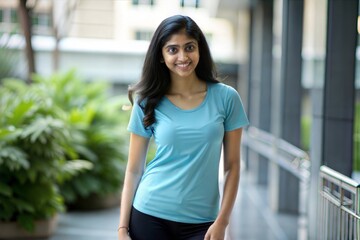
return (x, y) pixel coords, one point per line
(65, 66)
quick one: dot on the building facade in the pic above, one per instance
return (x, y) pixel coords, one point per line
(106, 39)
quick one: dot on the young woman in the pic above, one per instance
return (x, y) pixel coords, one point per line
(191, 116)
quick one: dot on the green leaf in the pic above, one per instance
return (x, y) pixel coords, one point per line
(19, 112)
(6, 132)
(87, 153)
(42, 129)
(82, 116)
(5, 190)
(14, 84)
(23, 206)
(7, 209)
(27, 221)
(74, 167)
(13, 158)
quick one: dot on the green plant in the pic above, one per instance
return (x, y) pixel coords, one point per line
(305, 132)
(34, 143)
(99, 122)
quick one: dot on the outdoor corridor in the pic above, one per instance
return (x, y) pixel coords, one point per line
(251, 220)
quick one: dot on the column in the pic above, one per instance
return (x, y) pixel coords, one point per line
(333, 101)
(260, 81)
(287, 91)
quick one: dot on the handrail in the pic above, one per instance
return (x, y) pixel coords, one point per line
(338, 209)
(329, 173)
(288, 156)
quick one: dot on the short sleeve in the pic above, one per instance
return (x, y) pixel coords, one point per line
(235, 113)
(136, 122)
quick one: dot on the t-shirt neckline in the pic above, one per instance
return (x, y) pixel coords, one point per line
(195, 108)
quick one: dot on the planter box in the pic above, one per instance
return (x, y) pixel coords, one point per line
(96, 202)
(43, 229)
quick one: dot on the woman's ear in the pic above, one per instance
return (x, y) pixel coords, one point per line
(162, 60)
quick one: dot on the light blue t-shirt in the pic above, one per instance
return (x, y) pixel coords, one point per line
(181, 182)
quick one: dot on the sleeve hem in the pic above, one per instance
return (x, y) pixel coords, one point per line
(139, 133)
(241, 125)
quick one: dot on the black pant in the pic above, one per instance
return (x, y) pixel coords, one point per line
(147, 227)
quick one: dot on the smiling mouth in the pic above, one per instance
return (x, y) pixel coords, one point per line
(183, 65)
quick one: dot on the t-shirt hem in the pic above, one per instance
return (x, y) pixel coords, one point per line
(165, 217)
(231, 128)
(138, 133)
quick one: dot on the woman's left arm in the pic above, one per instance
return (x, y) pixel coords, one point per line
(232, 140)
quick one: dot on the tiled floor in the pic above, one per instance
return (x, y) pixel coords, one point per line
(251, 220)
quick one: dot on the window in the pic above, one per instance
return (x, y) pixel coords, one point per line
(9, 20)
(8, 15)
(41, 19)
(143, 2)
(189, 3)
(143, 35)
(1, 15)
(13, 16)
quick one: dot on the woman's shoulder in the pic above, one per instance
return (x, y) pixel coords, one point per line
(141, 102)
(222, 88)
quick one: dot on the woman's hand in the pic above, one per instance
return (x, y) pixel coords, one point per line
(215, 232)
(123, 234)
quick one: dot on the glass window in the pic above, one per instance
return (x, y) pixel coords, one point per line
(1, 15)
(34, 19)
(41, 19)
(13, 16)
(143, 35)
(143, 2)
(189, 3)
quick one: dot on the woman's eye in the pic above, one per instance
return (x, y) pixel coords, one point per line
(172, 50)
(190, 48)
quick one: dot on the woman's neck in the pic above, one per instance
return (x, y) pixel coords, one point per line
(186, 86)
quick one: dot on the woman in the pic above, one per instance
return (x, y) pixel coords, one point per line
(191, 116)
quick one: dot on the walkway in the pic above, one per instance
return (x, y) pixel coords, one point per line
(251, 220)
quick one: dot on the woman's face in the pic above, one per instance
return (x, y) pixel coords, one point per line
(181, 55)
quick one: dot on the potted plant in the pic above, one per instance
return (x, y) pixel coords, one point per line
(99, 122)
(34, 143)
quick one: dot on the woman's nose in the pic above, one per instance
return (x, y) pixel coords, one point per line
(183, 55)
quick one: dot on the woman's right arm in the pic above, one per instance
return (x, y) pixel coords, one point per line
(134, 170)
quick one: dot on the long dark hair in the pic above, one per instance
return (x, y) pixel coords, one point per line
(155, 78)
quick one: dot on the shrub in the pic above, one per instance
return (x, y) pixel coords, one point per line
(97, 122)
(34, 143)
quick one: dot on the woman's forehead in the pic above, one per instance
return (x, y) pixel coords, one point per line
(179, 37)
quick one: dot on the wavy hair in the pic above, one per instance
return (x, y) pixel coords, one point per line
(155, 78)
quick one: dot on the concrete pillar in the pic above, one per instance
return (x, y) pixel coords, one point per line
(247, 102)
(260, 81)
(333, 101)
(287, 90)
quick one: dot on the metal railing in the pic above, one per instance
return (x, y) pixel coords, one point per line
(286, 155)
(338, 208)
(289, 157)
(339, 201)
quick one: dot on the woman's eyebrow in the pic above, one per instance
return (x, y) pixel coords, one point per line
(176, 45)
(171, 46)
(191, 42)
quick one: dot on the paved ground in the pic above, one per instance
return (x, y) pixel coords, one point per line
(94, 225)
(251, 220)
